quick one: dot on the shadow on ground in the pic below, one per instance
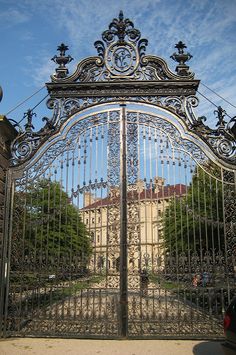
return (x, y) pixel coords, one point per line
(208, 348)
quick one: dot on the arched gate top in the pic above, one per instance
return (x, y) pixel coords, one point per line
(123, 73)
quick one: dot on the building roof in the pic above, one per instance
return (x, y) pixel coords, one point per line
(165, 192)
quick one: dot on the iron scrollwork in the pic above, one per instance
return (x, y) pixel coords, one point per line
(70, 155)
(221, 140)
(59, 146)
(27, 142)
(121, 55)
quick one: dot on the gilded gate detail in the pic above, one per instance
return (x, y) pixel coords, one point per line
(121, 209)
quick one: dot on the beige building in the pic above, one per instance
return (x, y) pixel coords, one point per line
(145, 210)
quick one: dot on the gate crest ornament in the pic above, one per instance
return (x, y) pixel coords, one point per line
(123, 72)
(121, 56)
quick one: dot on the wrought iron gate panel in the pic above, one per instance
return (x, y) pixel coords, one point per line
(182, 275)
(64, 274)
(154, 217)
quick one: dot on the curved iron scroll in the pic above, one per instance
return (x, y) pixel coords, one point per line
(121, 55)
(220, 141)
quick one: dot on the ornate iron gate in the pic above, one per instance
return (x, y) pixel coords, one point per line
(121, 209)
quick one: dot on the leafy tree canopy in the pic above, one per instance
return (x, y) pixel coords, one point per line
(194, 223)
(48, 228)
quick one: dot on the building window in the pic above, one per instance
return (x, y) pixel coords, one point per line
(87, 221)
(93, 220)
(98, 238)
(99, 219)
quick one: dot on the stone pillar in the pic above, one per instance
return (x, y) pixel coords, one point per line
(7, 134)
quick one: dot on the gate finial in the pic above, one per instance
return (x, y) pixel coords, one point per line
(121, 28)
(121, 15)
(29, 115)
(181, 57)
(220, 112)
(62, 61)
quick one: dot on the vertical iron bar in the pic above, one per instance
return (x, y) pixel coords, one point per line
(199, 173)
(224, 206)
(123, 228)
(151, 217)
(6, 253)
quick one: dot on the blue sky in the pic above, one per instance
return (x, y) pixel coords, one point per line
(31, 31)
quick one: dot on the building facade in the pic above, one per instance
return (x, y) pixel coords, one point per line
(145, 210)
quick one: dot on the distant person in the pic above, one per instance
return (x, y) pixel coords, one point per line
(144, 280)
(195, 281)
(205, 278)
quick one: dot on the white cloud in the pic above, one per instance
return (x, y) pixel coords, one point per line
(27, 36)
(41, 70)
(207, 28)
(12, 17)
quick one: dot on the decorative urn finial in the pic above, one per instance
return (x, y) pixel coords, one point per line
(62, 60)
(181, 57)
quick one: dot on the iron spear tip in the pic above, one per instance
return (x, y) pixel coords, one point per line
(121, 15)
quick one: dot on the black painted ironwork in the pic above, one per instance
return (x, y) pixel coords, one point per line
(122, 207)
(1, 93)
(62, 60)
(181, 58)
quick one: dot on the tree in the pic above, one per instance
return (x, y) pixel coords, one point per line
(48, 231)
(194, 222)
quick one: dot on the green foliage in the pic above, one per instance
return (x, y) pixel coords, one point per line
(194, 222)
(163, 283)
(48, 228)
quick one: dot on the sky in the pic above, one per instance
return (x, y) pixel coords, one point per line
(31, 30)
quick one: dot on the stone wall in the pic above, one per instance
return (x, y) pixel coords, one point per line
(7, 134)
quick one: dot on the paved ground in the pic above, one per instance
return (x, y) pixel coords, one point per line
(96, 312)
(29, 346)
(49, 346)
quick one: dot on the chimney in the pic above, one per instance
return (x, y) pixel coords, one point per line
(88, 199)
